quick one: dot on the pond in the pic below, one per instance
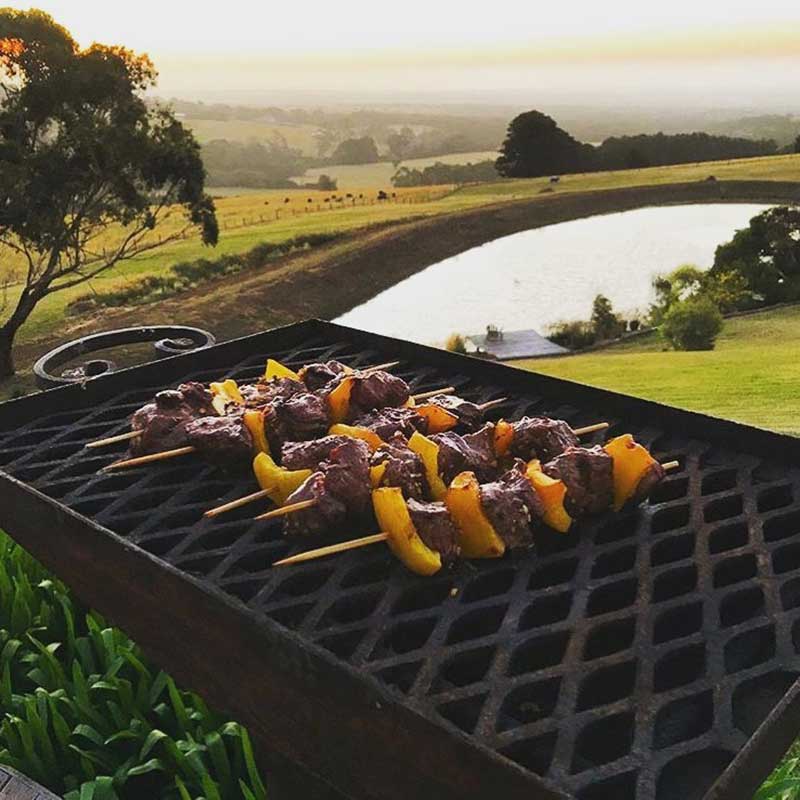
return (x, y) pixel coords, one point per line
(537, 277)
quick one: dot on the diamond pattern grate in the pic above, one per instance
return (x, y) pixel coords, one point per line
(633, 658)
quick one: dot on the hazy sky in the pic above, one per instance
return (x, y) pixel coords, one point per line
(575, 51)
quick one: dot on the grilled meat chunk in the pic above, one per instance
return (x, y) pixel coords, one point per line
(588, 473)
(222, 439)
(309, 455)
(323, 375)
(386, 422)
(342, 490)
(473, 452)
(469, 415)
(435, 527)
(163, 421)
(541, 437)
(652, 477)
(512, 506)
(297, 419)
(404, 467)
(265, 392)
(376, 390)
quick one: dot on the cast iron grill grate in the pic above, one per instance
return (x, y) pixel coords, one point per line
(633, 658)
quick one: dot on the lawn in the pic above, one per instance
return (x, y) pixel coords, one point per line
(379, 176)
(752, 376)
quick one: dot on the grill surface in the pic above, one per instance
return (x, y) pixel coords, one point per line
(633, 658)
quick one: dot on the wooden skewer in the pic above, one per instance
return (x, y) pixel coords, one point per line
(120, 437)
(149, 459)
(341, 547)
(238, 503)
(377, 367)
(492, 403)
(290, 509)
(433, 393)
(331, 549)
(599, 426)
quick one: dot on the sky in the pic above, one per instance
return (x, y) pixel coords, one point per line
(623, 51)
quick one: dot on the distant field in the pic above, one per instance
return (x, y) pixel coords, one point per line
(380, 175)
(752, 376)
(247, 219)
(298, 136)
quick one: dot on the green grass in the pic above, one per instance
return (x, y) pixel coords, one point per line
(86, 715)
(379, 176)
(752, 376)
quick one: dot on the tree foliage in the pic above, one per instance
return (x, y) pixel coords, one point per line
(605, 323)
(254, 164)
(535, 146)
(440, 173)
(86, 169)
(692, 324)
(356, 151)
(766, 254)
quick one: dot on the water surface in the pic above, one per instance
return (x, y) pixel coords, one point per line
(537, 277)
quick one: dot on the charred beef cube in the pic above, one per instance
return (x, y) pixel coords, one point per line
(435, 527)
(588, 473)
(296, 419)
(224, 440)
(197, 397)
(162, 423)
(469, 414)
(322, 375)
(541, 437)
(342, 491)
(473, 452)
(404, 467)
(264, 392)
(347, 475)
(389, 421)
(512, 506)
(309, 455)
(328, 515)
(376, 390)
(654, 474)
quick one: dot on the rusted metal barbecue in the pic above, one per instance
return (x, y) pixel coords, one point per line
(651, 655)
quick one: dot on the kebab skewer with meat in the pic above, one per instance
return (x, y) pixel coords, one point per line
(490, 517)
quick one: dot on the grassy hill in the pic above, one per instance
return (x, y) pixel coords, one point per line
(752, 376)
(249, 219)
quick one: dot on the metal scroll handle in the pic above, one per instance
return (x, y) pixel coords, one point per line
(168, 340)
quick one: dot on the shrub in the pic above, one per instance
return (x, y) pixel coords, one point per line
(692, 324)
(456, 343)
(573, 335)
(606, 324)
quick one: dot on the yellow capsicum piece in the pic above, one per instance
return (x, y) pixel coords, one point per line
(339, 400)
(503, 436)
(404, 541)
(552, 493)
(224, 394)
(354, 431)
(277, 481)
(254, 422)
(428, 451)
(277, 370)
(439, 419)
(376, 474)
(631, 463)
(476, 534)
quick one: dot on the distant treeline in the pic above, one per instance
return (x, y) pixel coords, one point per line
(535, 146)
(440, 173)
(252, 164)
(621, 152)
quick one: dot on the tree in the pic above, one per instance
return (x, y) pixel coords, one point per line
(536, 146)
(356, 151)
(87, 171)
(605, 323)
(398, 144)
(692, 324)
(326, 184)
(797, 144)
